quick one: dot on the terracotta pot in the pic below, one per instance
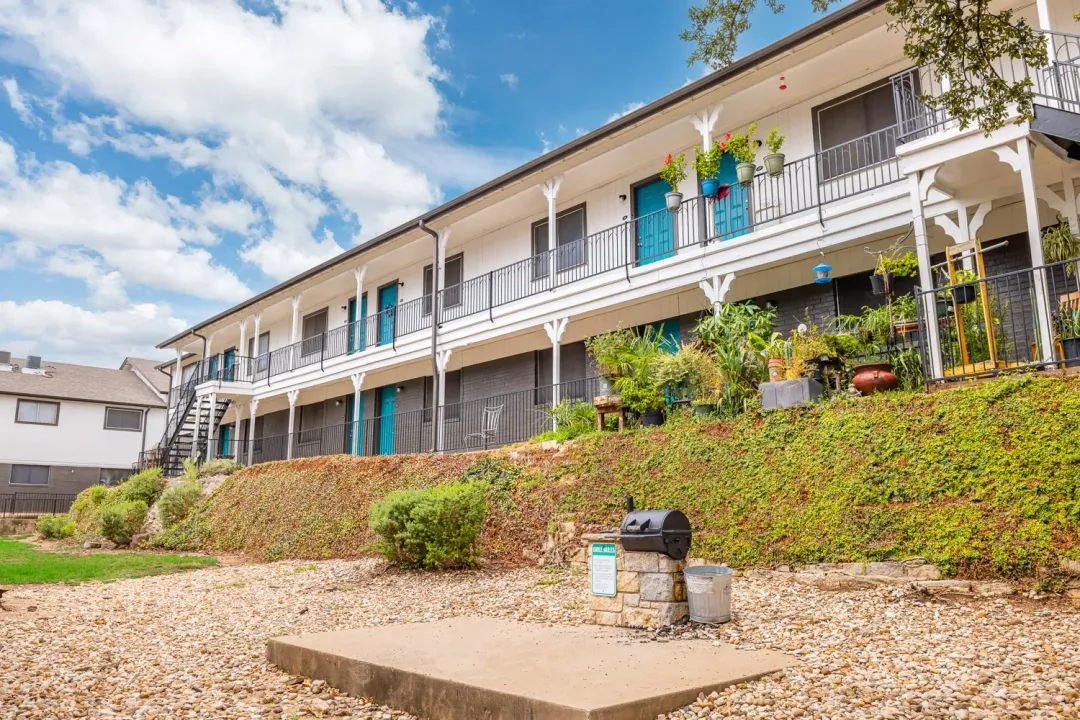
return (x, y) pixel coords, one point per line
(874, 377)
(776, 369)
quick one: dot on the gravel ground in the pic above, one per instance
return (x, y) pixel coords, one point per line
(191, 646)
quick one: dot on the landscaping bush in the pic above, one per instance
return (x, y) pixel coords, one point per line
(219, 466)
(145, 486)
(435, 528)
(119, 521)
(55, 527)
(176, 502)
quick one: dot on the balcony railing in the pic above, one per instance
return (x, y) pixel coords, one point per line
(1057, 85)
(990, 326)
(804, 185)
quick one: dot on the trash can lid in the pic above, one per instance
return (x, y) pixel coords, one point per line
(708, 571)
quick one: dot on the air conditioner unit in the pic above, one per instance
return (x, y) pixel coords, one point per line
(5, 357)
(33, 362)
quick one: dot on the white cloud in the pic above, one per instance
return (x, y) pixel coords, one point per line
(627, 109)
(298, 108)
(61, 331)
(97, 225)
(17, 101)
(510, 79)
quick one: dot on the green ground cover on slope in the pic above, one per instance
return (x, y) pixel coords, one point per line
(982, 481)
(22, 563)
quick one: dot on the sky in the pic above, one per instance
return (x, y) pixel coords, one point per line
(163, 160)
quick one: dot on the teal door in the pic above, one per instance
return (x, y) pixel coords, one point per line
(387, 399)
(387, 302)
(225, 445)
(212, 368)
(230, 363)
(357, 324)
(731, 211)
(653, 223)
(669, 335)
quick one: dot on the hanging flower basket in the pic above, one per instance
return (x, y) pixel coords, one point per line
(709, 187)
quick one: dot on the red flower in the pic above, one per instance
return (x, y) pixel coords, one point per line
(668, 161)
(728, 136)
(723, 146)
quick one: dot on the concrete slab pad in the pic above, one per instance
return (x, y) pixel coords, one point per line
(468, 667)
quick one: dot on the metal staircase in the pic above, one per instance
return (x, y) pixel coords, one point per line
(189, 425)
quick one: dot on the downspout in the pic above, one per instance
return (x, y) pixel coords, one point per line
(203, 361)
(434, 336)
(145, 420)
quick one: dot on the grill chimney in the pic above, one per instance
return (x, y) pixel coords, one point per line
(33, 362)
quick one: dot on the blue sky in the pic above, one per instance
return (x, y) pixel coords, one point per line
(161, 160)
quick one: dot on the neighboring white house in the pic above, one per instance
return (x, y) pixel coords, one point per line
(342, 357)
(66, 427)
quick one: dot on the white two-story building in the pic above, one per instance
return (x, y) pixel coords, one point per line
(341, 358)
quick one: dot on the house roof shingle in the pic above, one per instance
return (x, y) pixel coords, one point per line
(79, 382)
(149, 370)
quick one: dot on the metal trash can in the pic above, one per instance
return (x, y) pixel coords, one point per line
(708, 592)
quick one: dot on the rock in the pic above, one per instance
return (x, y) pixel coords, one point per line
(139, 539)
(1071, 567)
(934, 586)
(992, 589)
(91, 545)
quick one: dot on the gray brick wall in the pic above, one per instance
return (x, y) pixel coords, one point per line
(506, 375)
(69, 480)
(793, 306)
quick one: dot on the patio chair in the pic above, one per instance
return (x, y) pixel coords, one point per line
(489, 427)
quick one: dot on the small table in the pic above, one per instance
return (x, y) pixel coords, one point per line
(605, 405)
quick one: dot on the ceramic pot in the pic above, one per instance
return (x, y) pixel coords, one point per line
(674, 200)
(652, 418)
(709, 187)
(774, 164)
(745, 172)
(874, 377)
(776, 369)
(704, 409)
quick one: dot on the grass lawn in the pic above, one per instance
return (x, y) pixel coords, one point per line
(22, 564)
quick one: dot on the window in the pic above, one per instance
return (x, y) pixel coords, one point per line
(312, 418)
(856, 131)
(569, 242)
(451, 296)
(29, 475)
(312, 333)
(452, 398)
(121, 419)
(36, 412)
(262, 352)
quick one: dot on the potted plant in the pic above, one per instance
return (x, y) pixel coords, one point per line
(1069, 326)
(776, 350)
(1060, 244)
(706, 164)
(609, 351)
(743, 149)
(692, 369)
(965, 291)
(774, 161)
(907, 265)
(673, 173)
(644, 398)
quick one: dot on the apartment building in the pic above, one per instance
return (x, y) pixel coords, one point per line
(65, 427)
(344, 357)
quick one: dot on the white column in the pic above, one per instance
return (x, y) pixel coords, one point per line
(716, 289)
(444, 238)
(358, 422)
(198, 425)
(238, 453)
(926, 278)
(359, 274)
(178, 373)
(295, 319)
(253, 406)
(705, 122)
(1025, 150)
(442, 360)
(551, 191)
(211, 428)
(241, 350)
(293, 396)
(555, 330)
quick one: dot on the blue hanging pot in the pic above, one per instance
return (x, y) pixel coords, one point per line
(709, 187)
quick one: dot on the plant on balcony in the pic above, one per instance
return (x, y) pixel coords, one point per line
(743, 148)
(1060, 244)
(608, 350)
(889, 267)
(674, 172)
(739, 336)
(691, 369)
(810, 353)
(774, 161)
(707, 164)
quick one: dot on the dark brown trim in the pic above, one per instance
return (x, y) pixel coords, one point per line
(822, 26)
(20, 401)
(105, 421)
(34, 396)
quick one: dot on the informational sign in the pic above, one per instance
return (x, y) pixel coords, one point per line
(602, 563)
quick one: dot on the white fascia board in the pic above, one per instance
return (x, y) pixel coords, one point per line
(940, 148)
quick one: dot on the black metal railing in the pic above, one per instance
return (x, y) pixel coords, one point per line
(30, 504)
(989, 326)
(1058, 85)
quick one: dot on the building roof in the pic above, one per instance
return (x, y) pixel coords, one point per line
(84, 383)
(148, 369)
(560, 154)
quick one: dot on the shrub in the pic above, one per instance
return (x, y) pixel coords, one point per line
(119, 521)
(176, 502)
(55, 526)
(220, 466)
(145, 486)
(572, 419)
(433, 528)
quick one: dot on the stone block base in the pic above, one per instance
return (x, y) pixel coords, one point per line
(650, 589)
